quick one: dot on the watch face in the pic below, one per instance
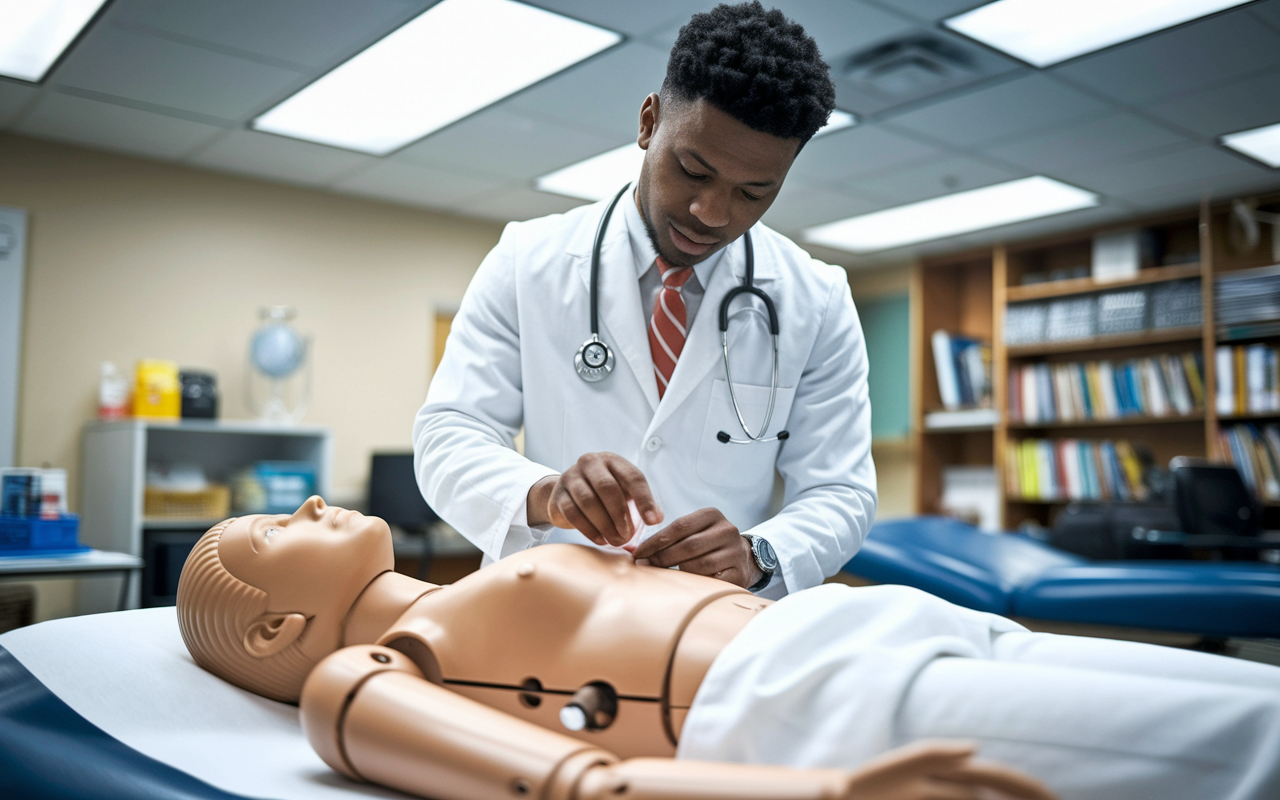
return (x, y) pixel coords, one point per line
(764, 554)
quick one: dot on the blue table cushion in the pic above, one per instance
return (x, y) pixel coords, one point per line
(1019, 577)
(1208, 598)
(955, 561)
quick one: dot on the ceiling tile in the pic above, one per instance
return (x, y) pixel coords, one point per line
(278, 158)
(633, 19)
(799, 206)
(857, 151)
(138, 67)
(507, 144)
(1201, 165)
(1175, 62)
(13, 97)
(604, 92)
(511, 205)
(1268, 12)
(106, 125)
(1098, 141)
(306, 32)
(1022, 105)
(1190, 193)
(838, 28)
(1237, 106)
(417, 186)
(938, 176)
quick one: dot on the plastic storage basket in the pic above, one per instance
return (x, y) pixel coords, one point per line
(211, 503)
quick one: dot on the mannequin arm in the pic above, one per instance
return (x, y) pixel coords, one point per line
(371, 715)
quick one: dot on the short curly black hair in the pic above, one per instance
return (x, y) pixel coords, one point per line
(755, 65)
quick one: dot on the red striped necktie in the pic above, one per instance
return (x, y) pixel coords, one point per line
(667, 326)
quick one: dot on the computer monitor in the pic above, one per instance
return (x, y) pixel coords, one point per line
(394, 493)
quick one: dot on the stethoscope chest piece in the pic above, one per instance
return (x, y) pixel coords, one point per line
(594, 360)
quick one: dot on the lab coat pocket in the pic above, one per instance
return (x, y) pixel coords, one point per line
(741, 465)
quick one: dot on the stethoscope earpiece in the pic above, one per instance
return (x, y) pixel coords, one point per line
(594, 359)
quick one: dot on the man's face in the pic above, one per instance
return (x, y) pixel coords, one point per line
(706, 179)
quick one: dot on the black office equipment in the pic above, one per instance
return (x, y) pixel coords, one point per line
(199, 395)
(1211, 514)
(394, 495)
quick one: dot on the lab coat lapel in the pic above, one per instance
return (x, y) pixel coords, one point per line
(623, 324)
(702, 352)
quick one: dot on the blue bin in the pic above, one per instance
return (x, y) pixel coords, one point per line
(33, 533)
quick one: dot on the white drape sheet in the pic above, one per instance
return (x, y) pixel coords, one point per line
(835, 675)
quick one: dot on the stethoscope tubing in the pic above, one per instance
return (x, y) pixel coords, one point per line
(593, 374)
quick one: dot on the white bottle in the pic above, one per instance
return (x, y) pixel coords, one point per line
(113, 393)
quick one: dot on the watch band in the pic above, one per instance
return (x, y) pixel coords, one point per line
(760, 584)
(767, 574)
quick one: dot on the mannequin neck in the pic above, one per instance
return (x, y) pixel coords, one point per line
(381, 603)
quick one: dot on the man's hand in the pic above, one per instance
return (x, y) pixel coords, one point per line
(591, 496)
(704, 543)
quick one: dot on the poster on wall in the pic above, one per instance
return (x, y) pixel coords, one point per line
(13, 236)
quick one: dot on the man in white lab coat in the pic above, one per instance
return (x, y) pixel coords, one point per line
(745, 89)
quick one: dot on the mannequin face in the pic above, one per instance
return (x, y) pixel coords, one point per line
(314, 562)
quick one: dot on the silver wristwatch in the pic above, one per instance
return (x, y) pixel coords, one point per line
(766, 560)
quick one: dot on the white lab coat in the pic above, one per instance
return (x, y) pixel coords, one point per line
(509, 362)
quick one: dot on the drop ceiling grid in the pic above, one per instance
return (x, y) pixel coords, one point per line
(180, 82)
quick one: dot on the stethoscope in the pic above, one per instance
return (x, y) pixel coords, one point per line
(594, 360)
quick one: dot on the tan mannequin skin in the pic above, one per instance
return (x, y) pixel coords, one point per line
(456, 692)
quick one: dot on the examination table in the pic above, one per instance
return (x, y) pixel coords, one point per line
(1016, 576)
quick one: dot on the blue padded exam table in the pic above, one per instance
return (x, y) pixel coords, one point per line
(1016, 576)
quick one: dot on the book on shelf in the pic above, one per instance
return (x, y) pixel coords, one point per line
(1117, 256)
(1170, 384)
(1172, 304)
(1074, 469)
(1256, 454)
(963, 364)
(1248, 379)
(1247, 296)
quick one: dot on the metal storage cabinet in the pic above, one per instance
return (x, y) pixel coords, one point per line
(113, 474)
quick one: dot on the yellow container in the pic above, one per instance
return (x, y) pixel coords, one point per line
(212, 503)
(157, 391)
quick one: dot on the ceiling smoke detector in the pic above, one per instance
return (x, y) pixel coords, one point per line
(912, 67)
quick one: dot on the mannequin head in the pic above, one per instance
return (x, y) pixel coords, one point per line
(263, 598)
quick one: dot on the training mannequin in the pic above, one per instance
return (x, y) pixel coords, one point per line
(530, 678)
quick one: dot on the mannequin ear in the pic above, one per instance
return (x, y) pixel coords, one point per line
(271, 633)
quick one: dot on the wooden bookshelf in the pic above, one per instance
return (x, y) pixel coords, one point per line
(968, 293)
(1191, 334)
(1037, 291)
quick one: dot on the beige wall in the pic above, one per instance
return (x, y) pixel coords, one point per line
(129, 258)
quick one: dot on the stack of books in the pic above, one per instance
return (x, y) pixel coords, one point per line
(963, 364)
(1156, 386)
(1073, 469)
(1248, 379)
(1256, 454)
(1248, 299)
(1174, 304)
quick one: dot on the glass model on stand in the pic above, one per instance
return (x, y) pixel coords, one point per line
(279, 381)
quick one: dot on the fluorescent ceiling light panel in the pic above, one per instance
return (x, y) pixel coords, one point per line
(448, 62)
(1260, 143)
(33, 33)
(839, 120)
(1044, 32)
(597, 177)
(601, 176)
(976, 209)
